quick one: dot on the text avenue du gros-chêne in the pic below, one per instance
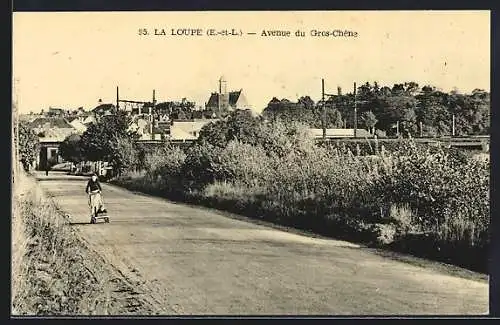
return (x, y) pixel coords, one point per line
(193, 32)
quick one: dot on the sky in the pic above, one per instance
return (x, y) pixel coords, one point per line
(73, 59)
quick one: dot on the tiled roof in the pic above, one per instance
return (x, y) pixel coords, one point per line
(188, 130)
(233, 97)
(104, 108)
(47, 122)
(213, 101)
(57, 135)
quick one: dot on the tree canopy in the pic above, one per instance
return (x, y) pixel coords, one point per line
(417, 109)
(109, 140)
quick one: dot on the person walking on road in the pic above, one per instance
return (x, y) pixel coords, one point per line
(94, 189)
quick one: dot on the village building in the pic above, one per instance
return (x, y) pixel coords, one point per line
(51, 131)
(104, 109)
(187, 129)
(56, 112)
(223, 102)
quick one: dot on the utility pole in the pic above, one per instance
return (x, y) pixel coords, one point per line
(151, 114)
(324, 109)
(117, 99)
(219, 98)
(355, 112)
(323, 94)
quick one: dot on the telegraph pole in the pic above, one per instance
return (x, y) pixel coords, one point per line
(355, 112)
(324, 109)
(323, 94)
(219, 99)
(152, 115)
(117, 99)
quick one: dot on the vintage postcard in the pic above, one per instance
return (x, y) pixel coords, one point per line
(251, 163)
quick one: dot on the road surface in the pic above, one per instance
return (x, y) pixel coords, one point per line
(194, 260)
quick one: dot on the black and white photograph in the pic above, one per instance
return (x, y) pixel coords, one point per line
(250, 163)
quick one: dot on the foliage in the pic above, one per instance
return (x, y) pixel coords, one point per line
(369, 120)
(243, 163)
(104, 140)
(28, 145)
(407, 103)
(239, 125)
(450, 195)
(165, 167)
(70, 149)
(123, 154)
(201, 165)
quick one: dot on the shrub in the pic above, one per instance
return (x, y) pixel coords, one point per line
(165, 168)
(243, 163)
(201, 165)
(447, 194)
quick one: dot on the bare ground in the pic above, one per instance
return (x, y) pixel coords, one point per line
(181, 259)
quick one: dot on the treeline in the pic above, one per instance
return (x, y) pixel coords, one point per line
(405, 107)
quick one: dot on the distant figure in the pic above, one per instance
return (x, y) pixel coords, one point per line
(47, 168)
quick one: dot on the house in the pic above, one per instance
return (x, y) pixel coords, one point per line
(222, 102)
(29, 117)
(231, 101)
(51, 132)
(104, 109)
(188, 129)
(56, 112)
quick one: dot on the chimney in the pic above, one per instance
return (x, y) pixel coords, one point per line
(339, 91)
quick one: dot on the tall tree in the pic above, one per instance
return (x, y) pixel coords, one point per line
(369, 120)
(99, 141)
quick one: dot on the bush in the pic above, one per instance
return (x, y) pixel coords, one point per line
(201, 165)
(242, 163)
(165, 168)
(450, 196)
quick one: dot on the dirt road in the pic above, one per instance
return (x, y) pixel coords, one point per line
(190, 260)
